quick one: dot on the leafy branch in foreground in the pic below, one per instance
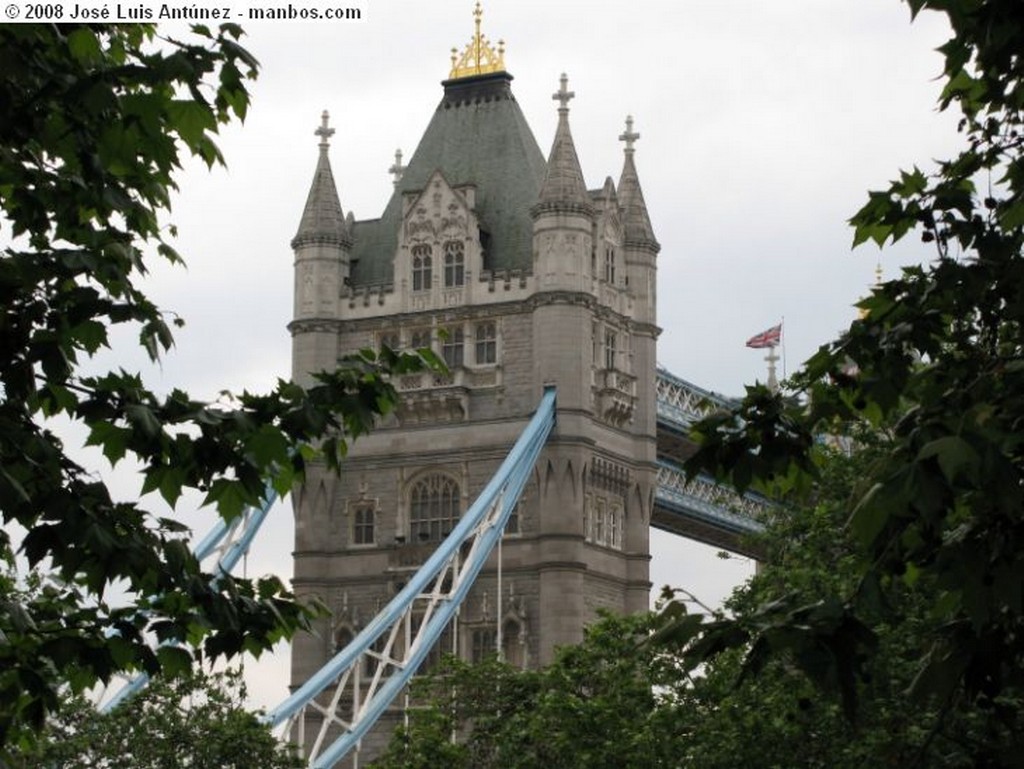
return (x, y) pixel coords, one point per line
(97, 122)
(938, 362)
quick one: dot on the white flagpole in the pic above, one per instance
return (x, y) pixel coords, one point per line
(782, 337)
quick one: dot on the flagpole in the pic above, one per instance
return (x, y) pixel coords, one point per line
(782, 338)
(771, 357)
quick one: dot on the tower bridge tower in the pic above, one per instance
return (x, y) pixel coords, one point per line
(519, 277)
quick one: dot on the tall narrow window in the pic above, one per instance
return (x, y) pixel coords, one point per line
(422, 267)
(512, 642)
(363, 520)
(434, 508)
(484, 643)
(609, 265)
(391, 340)
(454, 263)
(609, 349)
(600, 521)
(512, 524)
(453, 348)
(615, 527)
(486, 342)
(445, 644)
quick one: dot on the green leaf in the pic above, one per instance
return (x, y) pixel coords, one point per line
(870, 516)
(191, 121)
(955, 456)
(174, 660)
(112, 439)
(229, 496)
(84, 45)
(144, 420)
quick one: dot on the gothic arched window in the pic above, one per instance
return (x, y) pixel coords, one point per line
(434, 508)
(454, 263)
(422, 267)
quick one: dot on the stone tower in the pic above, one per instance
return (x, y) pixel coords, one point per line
(519, 277)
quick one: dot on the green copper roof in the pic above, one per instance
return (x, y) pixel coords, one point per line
(478, 136)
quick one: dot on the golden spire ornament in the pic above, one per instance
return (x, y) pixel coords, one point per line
(479, 57)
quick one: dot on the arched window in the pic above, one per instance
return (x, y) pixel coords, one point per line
(422, 267)
(434, 508)
(454, 263)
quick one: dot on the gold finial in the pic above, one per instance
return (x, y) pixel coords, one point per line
(863, 313)
(479, 57)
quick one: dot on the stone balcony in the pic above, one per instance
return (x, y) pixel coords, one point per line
(614, 395)
(431, 397)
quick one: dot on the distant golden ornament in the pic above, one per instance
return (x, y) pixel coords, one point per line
(479, 58)
(863, 313)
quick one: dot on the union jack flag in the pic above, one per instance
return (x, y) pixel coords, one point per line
(770, 338)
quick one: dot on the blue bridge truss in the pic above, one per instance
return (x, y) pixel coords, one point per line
(329, 714)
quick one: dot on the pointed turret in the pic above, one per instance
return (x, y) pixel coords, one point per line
(322, 249)
(563, 189)
(322, 218)
(635, 221)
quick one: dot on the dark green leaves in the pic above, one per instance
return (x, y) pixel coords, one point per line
(933, 370)
(97, 120)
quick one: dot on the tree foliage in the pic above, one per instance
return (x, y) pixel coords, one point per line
(96, 122)
(626, 698)
(938, 360)
(196, 720)
(595, 705)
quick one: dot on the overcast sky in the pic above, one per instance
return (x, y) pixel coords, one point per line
(762, 126)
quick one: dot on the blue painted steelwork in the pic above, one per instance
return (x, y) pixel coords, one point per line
(429, 600)
(704, 500)
(232, 541)
(681, 403)
(432, 596)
